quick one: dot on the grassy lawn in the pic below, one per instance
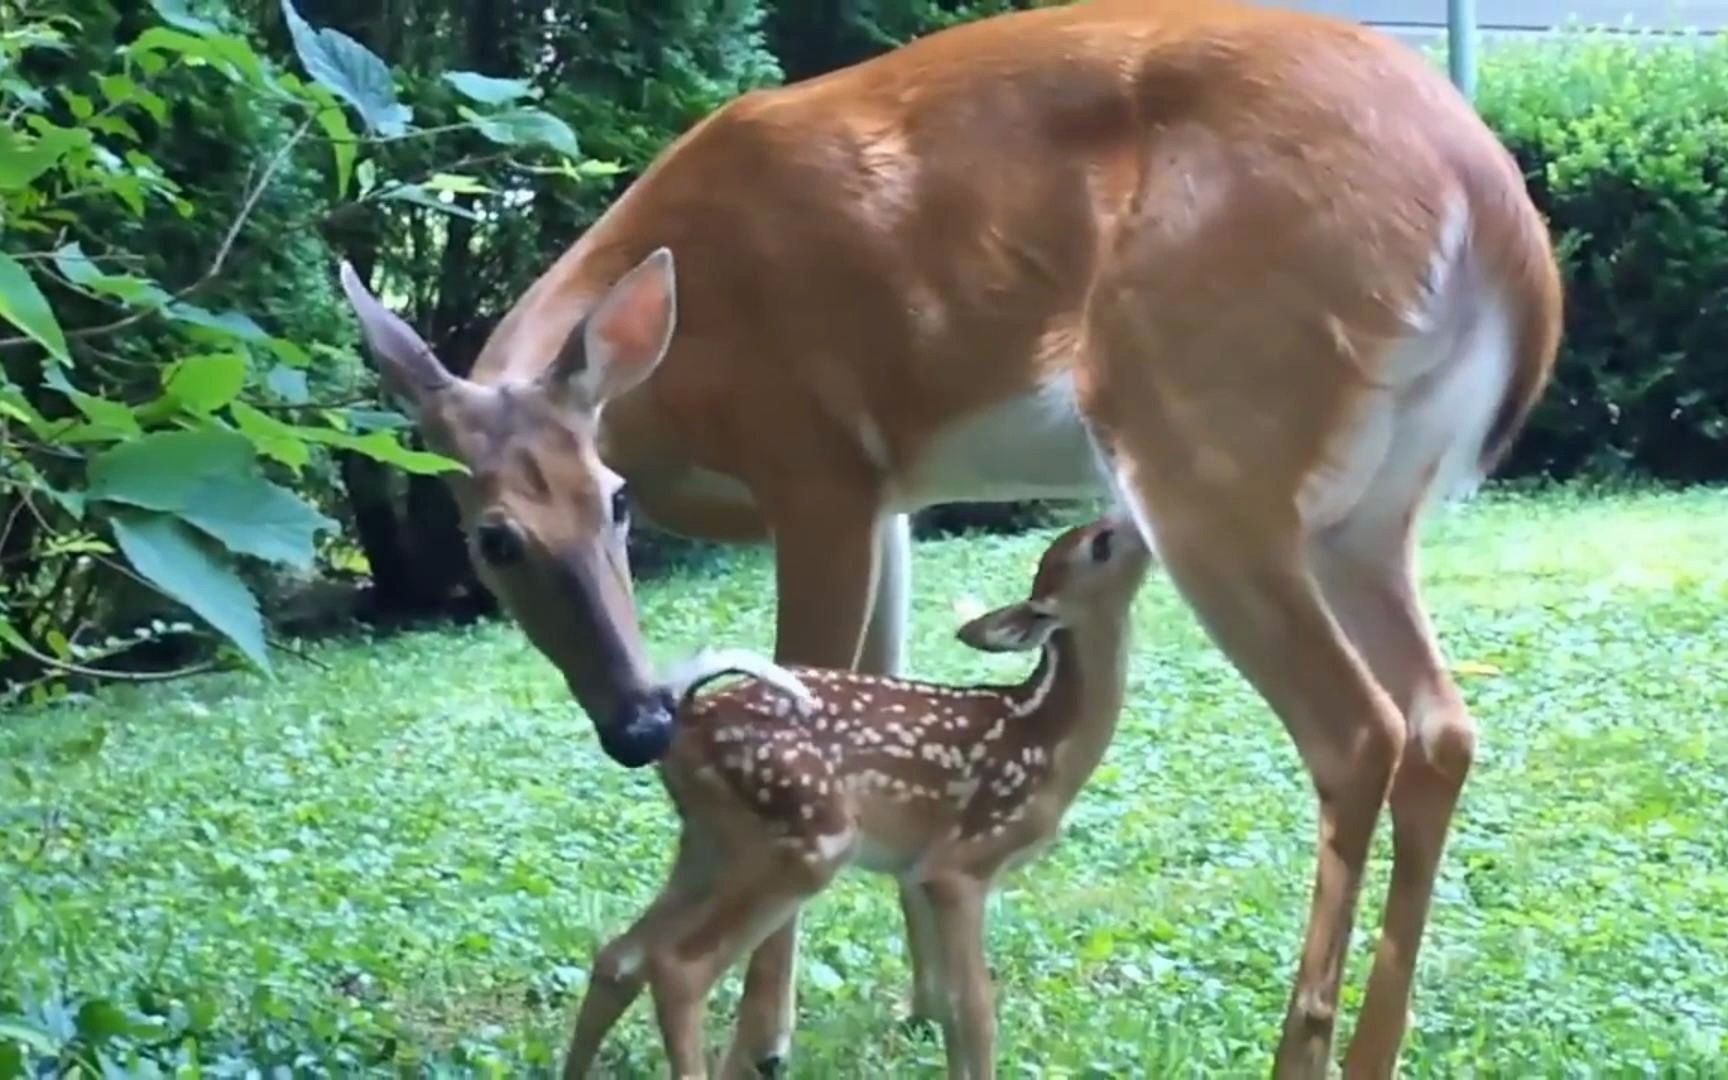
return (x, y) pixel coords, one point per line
(403, 854)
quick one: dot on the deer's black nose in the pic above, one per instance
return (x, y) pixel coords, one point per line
(640, 730)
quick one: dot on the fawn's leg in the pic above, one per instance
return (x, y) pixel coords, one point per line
(1368, 571)
(969, 1022)
(826, 572)
(759, 892)
(619, 971)
(924, 946)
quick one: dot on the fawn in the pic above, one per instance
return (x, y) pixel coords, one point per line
(781, 782)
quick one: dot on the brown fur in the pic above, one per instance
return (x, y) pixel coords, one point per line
(1214, 219)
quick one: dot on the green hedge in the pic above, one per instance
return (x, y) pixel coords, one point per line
(1625, 142)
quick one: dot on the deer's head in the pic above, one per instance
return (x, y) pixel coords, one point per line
(546, 519)
(1088, 574)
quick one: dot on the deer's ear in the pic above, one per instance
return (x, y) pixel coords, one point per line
(1015, 628)
(625, 337)
(410, 369)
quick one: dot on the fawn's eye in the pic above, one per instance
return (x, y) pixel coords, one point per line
(1101, 546)
(620, 507)
(498, 543)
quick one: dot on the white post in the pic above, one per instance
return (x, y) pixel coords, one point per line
(1461, 44)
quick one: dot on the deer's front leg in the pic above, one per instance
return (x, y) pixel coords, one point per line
(884, 649)
(827, 567)
(884, 653)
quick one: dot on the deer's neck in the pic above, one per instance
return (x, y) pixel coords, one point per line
(1075, 694)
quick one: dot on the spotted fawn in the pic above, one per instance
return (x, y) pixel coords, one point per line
(783, 780)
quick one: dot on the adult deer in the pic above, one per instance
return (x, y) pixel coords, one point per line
(1265, 275)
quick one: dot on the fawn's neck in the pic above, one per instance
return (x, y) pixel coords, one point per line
(1078, 685)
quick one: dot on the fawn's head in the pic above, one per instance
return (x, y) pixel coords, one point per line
(546, 519)
(1089, 572)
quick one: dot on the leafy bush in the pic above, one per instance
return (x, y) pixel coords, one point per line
(151, 440)
(1625, 142)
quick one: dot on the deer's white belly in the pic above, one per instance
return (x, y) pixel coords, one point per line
(1029, 447)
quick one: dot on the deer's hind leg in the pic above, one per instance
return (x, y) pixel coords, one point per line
(1368, 571)
(1216, 431)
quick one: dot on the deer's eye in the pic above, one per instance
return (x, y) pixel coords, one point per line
(1101, 546)
(620, 507)
(498, 543)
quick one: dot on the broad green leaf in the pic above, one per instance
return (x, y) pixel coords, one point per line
(204, 384)
(162, 470)
(230, 55)
(380, 446)
(113, 415)
(289, 384)
(272, 437)
(525, 127)
(232, 323)
(15, 1029)
(209, 479)
(22, 162)
(29, 96)
(81, 107)
(372, 419)
(343, 148)
(23, 305)
(10, 635)
(456, 184)
(253, 516)
(70, 501)
(488, 90)
(15, 406)
(117, 89)
(175, 13)
(68, 544)
(153, 104)
(81, 270)
(288, 352)
(419, 196)
(186, 567)
(11, 1055)
(350, 71)
(113, 125)
(100, 1020)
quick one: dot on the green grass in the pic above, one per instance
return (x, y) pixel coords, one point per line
(404, 854)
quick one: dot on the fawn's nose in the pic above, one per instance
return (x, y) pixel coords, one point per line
(640, 729)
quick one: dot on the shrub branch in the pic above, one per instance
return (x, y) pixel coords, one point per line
(259, 186)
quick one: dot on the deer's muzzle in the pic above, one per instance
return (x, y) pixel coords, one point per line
(640, 729)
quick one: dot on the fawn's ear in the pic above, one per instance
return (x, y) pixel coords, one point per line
(1015, 628)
